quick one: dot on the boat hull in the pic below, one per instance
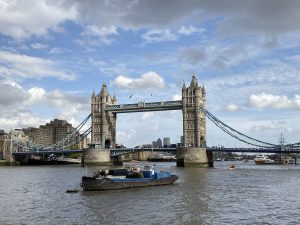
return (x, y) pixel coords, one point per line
(263, 162)
(102, 184)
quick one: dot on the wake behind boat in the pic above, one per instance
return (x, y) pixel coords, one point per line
(123, 178)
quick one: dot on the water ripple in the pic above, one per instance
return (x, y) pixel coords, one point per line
(249, 194)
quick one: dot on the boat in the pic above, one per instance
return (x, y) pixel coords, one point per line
(262, 159)
(231, 167)
(123, 179)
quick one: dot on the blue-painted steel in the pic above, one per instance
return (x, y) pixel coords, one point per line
(124, 151)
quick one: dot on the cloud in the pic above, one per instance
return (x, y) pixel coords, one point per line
(147, 115)
(159, 36)
(36, 94)
(268, 16)
(146, 81)
(232, 107)
(273, 125)
(11, 94)
(55, 50)
(38, 46)
(125, 136)
(16, 104)
(193, 55)
(176, 97)
(92, 30)
(97, 36)
(188, 30)
(110, 68)
(18, 118)
(19, 20)
(264, 101)
(24, 66)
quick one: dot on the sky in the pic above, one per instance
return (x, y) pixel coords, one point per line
(54, 53)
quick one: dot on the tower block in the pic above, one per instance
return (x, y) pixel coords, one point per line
(193, 152)
(103, 134)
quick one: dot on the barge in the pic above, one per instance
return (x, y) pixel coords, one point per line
(123, 179)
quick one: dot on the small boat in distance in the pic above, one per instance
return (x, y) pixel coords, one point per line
(123, 178)
(262, 159)
(231, 167)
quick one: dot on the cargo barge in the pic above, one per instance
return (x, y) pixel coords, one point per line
(123, 179)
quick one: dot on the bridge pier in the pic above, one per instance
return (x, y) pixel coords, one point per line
(96, 156)
(193, 157)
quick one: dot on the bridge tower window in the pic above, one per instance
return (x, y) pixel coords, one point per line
(107, 143)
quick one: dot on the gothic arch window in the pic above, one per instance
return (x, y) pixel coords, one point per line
(107, 143)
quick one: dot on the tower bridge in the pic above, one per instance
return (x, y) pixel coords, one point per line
(104, 110)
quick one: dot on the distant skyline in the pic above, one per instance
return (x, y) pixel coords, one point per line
(53, 54)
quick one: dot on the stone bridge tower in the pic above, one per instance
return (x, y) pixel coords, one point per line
(103, 122)
(193, 152)
(194, 125)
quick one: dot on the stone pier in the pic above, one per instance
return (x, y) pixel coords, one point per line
(96, 156)
(193, 157)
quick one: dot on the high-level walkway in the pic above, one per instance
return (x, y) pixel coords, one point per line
(144, 107)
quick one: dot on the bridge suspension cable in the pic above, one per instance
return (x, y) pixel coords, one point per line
(236, 134)
(71, 135)
(70, 140)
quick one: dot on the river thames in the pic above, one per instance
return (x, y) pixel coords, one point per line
(250, 194)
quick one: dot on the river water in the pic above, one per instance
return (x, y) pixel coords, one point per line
(250, 194)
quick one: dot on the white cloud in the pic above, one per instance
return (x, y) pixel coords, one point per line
(146, 81)
(38, 46)
(24, 66)
(263, 101)
(109, 68)
(273, 125)
(21, 19)
(125, 136)
(16, 103)
(11, 93)
(147, 115)
(55, 50)
(159, 36)
(92, 30)
(97, 36)
(176, 97)
(20, 119)
(188, 30)
(232, 107)
(37, 95)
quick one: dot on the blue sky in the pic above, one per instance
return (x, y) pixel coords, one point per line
(53, 54)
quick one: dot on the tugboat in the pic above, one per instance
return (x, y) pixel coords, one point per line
(123, 178)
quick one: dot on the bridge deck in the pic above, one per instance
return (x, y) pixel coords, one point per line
(121, 151)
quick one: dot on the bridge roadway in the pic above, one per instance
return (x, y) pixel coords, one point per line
(122, 151)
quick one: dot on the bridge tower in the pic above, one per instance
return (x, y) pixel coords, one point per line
(103, 135)
(103, 122)
(193, 152)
